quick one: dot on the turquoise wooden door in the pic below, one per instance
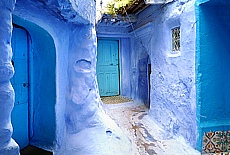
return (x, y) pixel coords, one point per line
(108, 67)
(20, 85)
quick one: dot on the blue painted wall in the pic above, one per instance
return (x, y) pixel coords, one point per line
(140, 56)
(212, 63)
(67, 113)
(42, 85)
(50, 42)
(172, 79)
(125, 66)
(7, 95)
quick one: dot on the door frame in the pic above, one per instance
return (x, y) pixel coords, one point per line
(149, 70)
(119, 59)
(31, 83)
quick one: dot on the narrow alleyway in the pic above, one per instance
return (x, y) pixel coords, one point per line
(146, 137)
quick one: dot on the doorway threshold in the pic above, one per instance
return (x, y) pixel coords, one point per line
(115, 99)
(32, 150)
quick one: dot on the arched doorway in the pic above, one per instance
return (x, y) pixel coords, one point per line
(34, 123)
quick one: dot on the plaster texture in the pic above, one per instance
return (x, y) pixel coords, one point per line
(172, 79)
(65, 108)
(7, 144)
(101, 134)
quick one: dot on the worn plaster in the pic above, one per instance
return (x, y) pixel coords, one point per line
(173, 99)
(7, 144)
(172, 79)
(62, 32)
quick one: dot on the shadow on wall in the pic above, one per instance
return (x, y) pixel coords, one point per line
(42, 87)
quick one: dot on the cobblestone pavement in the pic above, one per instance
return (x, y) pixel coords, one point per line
(146, 137)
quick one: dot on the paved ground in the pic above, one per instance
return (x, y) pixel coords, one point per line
(146, 137)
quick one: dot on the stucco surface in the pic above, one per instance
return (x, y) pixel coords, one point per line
(72, 11)
(102, 136)
(7, 144)
(172, 80)
(73, 122)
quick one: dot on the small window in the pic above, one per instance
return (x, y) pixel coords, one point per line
(176, 40)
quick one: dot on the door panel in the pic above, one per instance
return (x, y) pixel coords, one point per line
(108, 67)
(20, 85)
(20, 125)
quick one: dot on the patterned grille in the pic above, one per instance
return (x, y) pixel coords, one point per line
(176, 39)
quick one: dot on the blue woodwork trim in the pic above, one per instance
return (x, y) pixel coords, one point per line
(119, 57)
(125, 88)
(197, 78)
(112, 36)
(17, 22)
(31, 83)
(204, 124)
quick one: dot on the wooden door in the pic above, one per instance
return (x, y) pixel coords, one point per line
(19, 81)
(108, 67)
